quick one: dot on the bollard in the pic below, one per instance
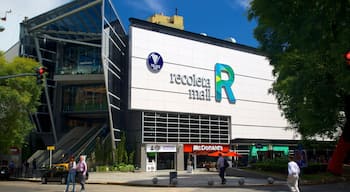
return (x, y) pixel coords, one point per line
(155, 180)
(174, 181)
(270, 180)
(172, 176)
(241, 181)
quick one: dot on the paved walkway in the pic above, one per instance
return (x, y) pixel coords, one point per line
(184, 179)
(235, 178)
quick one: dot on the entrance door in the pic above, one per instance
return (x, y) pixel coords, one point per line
(165, 160)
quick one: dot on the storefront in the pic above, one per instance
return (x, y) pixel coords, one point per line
(160, 156)
(196, 155)
(262, 152)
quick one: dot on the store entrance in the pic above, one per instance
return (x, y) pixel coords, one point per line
(165, 160)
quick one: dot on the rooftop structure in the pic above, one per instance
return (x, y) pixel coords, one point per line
(174, 21)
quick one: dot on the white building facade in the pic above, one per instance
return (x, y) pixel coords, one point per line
(192, 90)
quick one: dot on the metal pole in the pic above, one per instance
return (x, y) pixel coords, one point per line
(50, 158)
(17, 75)
(37, 47)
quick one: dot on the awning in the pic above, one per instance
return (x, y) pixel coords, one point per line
(227, 154)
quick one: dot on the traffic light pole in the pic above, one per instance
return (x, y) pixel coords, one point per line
(17, 75)
(37, 48)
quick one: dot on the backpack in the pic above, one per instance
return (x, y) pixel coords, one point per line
(226, 164)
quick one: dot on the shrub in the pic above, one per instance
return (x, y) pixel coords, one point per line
(281, 166)
(103, 168)
(278, 165)
(315, 168)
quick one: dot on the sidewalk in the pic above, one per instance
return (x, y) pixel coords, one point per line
(184, 179)
(196, 179)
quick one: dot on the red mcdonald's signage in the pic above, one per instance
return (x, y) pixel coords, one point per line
(192, 148)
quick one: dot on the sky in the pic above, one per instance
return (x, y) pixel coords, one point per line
(220, 19)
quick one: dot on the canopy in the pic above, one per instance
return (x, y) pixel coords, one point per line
(224, 154)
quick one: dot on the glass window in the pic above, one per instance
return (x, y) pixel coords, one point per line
(80, 60)
(184, 128)
(84, 98)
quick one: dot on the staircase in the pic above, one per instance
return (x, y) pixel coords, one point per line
(78, 141)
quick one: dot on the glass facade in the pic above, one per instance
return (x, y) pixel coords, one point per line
(83, 45)
(185, 128)
(80, 60)
(113, 58)
(84, 98)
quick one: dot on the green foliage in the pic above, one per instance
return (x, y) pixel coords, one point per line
(104, 168)
(313, 168)
(278, 165)
(121, 167)
(121, 154)
(123, 161)
(103, 151)
(305, 42)
(18, 99)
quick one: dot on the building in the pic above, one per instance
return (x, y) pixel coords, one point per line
(83, 45)
(175, 21)
(191, 94)
(177, 95)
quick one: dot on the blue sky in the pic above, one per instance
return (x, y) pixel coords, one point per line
(220, 19)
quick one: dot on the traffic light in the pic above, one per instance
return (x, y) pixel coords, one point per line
(40, 71)
(347, 58)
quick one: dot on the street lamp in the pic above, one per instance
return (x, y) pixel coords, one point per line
(2, 28)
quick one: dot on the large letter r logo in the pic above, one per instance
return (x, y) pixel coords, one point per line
(224, 84)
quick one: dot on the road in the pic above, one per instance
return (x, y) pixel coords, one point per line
(20, 186)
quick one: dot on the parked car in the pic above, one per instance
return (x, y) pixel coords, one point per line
(64, 165)
(58, 173)
(4, 172)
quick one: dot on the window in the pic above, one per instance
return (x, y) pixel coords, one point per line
(185, 128)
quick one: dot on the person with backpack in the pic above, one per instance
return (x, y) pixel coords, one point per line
(222, 164)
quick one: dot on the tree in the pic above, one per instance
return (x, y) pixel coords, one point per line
(121, 155)
(305, 42)
(19, 98)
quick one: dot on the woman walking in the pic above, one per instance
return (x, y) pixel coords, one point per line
(82, 169)
(71, 173)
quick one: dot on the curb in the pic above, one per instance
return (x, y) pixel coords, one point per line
(181, 186)
(161, 185)
(186, 186)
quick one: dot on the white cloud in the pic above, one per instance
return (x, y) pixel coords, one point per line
(151, 6)
(154, 5)
(240, 3)
(19, 10)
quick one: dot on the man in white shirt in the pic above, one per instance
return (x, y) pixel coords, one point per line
(293, 175)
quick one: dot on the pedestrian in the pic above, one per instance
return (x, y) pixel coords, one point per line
(12, 168)
(72, 167)
(221, 167)
(26, 165)
(82, 169)
(34, 167)
(293, 175)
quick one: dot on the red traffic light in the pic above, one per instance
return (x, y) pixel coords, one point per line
(41, 70)
(347, 58)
